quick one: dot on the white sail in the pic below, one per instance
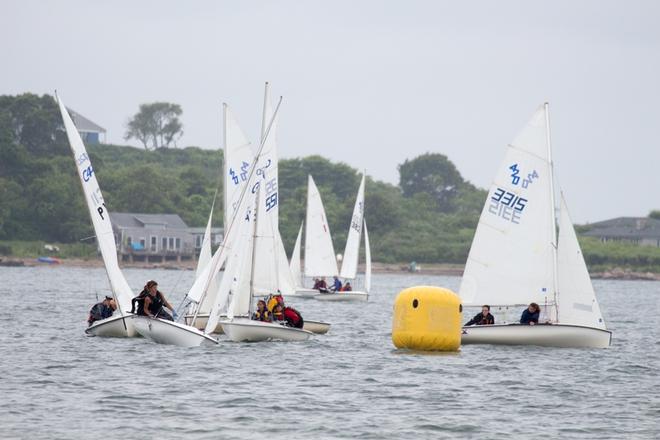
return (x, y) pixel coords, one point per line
(294, 264)
(237, 161)
(320, 257)
(237, 260)
(286, 282)
(352, 251)
(266, 277)
(577, 302)
(367, 257)
(511, 260)
(205, 255)
(99, 214)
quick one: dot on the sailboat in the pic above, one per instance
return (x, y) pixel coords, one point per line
(118, 325)
(169, 332)
(320, 260)
(238, 157)
(517, 258)
(239, 327)
(351, 255)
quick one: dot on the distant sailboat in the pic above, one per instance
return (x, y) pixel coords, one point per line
(351, 255)
(118, 325)
(516, 258)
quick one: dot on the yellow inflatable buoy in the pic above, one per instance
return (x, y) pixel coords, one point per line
(427, 318)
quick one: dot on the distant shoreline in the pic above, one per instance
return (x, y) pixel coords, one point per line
(392, 268)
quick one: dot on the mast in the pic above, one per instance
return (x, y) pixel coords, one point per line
(224, 164)
(552, 211)
(254, 247)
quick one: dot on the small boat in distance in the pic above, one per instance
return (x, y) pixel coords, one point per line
(351, 256)
(516, 257)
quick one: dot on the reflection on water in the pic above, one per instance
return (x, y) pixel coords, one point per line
(350, 383)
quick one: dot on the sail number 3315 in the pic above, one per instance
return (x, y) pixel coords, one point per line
(507, 205)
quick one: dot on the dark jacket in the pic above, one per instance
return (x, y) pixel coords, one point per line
(528, 317)
(99, 311)
(480, 319)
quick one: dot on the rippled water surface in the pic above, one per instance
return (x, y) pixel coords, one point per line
(351, 383)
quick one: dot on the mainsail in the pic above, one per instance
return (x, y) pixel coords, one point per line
(511, 261)
(367, 257)
(351, 252)
(99, 214)
(320, 257)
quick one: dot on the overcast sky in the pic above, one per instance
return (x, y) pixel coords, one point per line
(370, 83)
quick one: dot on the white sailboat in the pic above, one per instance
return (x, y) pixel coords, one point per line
(238, 157)
(516, 258)
(351, 255)
(169, 332)
(320, 260)
(117, 325)
(239, 327)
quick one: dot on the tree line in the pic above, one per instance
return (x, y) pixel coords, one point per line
(430, 216)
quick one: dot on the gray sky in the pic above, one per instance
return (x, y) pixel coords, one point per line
(371, 83)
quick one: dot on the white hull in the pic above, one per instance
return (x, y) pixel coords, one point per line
(247, 330)
(114, 327)
(318, 327)
(554, 335)
(343, 296)
(302, 292)
(169, 332)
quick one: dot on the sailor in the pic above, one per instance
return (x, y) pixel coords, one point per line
(347, 287)
(150, 302)
(530, 315)
(482, 318)
(102, 310)
(292, 317)
(278, 313)
(336, 285)
(321, 286)
(262, 313)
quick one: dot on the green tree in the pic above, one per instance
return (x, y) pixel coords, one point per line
(655, 214)
(156, 125)
(434, 174)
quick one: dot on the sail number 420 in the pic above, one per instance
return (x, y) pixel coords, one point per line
(507, 205)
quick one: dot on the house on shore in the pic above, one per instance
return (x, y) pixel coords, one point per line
(643, 231)
(90, 132)
(152, 238)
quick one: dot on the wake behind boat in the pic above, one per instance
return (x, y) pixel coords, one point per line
(516, 257)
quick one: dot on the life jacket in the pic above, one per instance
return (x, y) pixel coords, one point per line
(273, 300)
(258, 316)
(293, 317)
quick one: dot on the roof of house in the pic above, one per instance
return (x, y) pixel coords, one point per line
(83, 124)
(626, 227)
(131, 220)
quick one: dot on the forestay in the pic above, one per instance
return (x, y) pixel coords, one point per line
(576, 298)
(99, 214)
(352, 251)
(320, 257)
(511, 259)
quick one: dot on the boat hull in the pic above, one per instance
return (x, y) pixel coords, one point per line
(247, 330)
(169, 332)
(317, 327)
(302, 292)
(343, 296)
(114, 327)
(548, 335)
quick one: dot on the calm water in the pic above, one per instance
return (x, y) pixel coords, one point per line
(57, 383)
